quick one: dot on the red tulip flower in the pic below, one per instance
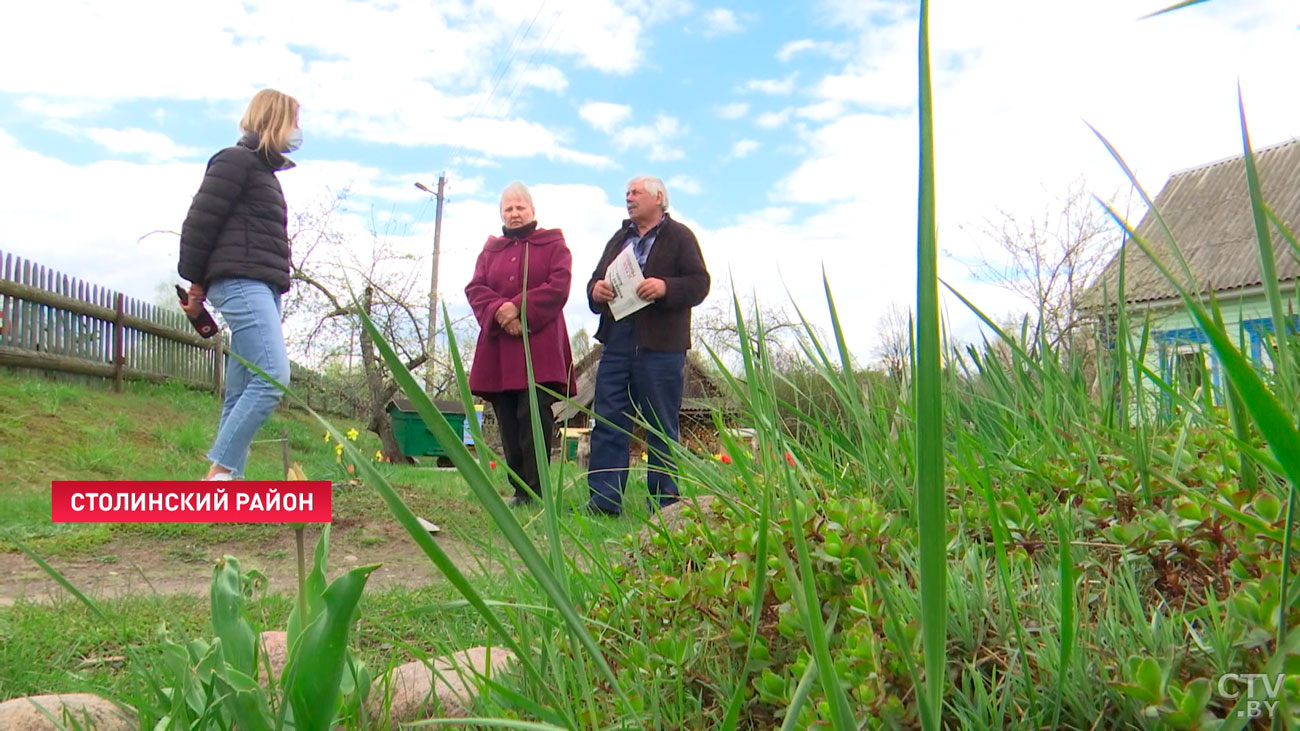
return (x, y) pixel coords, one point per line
(492, 465)
(789, 458)
(726, 459)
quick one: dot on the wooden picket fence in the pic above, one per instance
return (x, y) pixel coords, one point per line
(52, 322)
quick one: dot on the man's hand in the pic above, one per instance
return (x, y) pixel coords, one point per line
(506, 313)
(602, 293)
(194, 305)
(652, 289)
(514, 328)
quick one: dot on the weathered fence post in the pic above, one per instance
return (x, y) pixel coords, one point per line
(284, 450)
(119, 360)
(218, 362)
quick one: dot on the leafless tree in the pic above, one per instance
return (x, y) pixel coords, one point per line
(893, 351)
(1049, 261)
(715, 325)
(338, 278)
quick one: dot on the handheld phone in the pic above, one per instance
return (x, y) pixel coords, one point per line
(203, 322)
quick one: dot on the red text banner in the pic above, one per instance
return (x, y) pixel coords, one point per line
(231, 501)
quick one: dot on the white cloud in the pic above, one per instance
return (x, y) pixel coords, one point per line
(822, 111)
(470, 160)
(806, 45)
(381, 72)
(684, 184)
(154, 145)
(774, 87)
(721, 21)
(998, 146)
(655, 138)
(549, 78)
(734, 110)
(772, 120)
(743, 147)
(605, 116)
(61, 109)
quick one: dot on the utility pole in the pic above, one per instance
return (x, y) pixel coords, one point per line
(433, 287)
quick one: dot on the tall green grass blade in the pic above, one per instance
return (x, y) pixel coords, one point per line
(759, 588)
(1281, 356)
(1172, 8)
(1267, 263)
(1068, 628)
(930, 504)
(467, 398)
(801, 692)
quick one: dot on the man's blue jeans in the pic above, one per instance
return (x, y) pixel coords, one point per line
(650, 382)
(252, 311)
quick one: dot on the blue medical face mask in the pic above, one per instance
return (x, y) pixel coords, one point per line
(294, 141)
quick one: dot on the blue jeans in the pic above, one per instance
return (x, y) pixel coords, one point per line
(252, 311)
(628, 378)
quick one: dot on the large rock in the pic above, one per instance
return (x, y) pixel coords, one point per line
(446, 686)
(69, 710)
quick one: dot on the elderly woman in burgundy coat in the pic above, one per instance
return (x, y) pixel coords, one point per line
(497, 295)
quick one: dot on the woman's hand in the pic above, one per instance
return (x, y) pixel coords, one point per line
(506, 313)
(193, 306)
(514, 328)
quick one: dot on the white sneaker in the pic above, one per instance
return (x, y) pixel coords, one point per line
(220, 477)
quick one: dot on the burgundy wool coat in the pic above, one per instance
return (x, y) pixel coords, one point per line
(499, 278)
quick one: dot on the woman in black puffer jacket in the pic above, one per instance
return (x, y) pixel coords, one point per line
(235, 253)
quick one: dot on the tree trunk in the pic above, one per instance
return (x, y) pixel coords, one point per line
(380, 424)
(378, 394)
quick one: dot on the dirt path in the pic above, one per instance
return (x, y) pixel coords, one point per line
(140, 569)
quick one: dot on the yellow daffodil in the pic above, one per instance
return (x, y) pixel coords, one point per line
(338, 449)
(327, 436)
(379, 456)
(353, 434)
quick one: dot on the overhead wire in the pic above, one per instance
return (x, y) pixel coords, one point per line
(509, 59)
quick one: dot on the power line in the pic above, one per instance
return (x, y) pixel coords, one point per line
(514, 47)
(520, 77)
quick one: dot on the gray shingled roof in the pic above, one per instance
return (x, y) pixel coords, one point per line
(1208, 210)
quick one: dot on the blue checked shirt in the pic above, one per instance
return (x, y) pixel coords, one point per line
(642, 244)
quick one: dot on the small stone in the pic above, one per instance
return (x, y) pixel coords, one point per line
(447, 684)
(350, 558)
(72, 710)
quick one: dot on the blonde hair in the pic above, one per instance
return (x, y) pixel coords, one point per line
(271, 115)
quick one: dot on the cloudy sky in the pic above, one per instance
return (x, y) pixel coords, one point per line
(786, 131)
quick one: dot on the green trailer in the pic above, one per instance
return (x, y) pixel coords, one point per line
(414, 437)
